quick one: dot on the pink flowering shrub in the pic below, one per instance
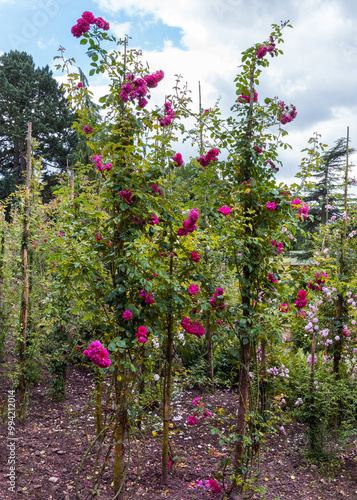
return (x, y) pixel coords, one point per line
(319, 280)
(287, 118)
(136, 88)
(205, 160)
(303, 208)
(98, 354)
(200, 412)
(262, 51)
(272, 165)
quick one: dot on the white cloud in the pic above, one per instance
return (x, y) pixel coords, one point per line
(120, 29)
(317, 71)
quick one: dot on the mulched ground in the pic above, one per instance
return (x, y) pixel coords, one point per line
(51, 444)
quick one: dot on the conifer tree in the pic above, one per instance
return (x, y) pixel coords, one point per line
(31, 94)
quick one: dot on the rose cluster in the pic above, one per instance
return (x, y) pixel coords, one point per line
(263, 49)
(205, 160)
(303, 208)
(177, 159)
(137, 88)
(301, 301)
(278, 247)
(98, 354)
(148, 298)
(271, 205)
(99, 165)
(155, 189)
(88, 129)
(169, 115)
(195, 257)
(193, 289)
(271, 278)
(153, 220)
(84, 22)
(194, 328)
(225, 210)
(127, 315)
(141, 334)
(217, 300)
(246, 97)
(126, 195)
(189, 225)
(318, 281)
(201, 412)
(284, 117)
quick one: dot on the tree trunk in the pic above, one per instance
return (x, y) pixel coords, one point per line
(263, 376)
(119, 433)
(210, 351)
(98, 401)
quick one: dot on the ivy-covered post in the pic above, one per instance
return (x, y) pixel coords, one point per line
(2, 254)
(25, 278)
(167, 382)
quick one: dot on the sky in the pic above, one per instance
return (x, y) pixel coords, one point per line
(203, 39)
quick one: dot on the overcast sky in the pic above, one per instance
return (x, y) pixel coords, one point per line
(203, 40)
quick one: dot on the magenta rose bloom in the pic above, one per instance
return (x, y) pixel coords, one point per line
(192, 420)
(142, 330)
(225, 210)
(127, 315)
(193, 289)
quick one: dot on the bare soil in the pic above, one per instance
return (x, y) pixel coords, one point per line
(51, 443)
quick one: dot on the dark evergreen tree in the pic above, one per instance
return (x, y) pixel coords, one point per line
(31, 94)
(328, 178)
